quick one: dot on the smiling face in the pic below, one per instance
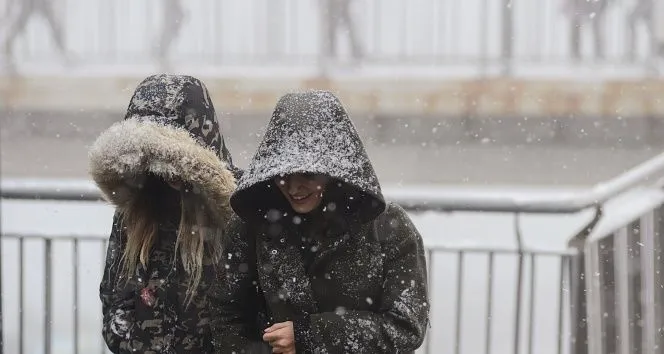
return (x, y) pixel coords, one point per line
(304, 192)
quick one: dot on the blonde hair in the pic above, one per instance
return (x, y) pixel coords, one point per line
(198, 238)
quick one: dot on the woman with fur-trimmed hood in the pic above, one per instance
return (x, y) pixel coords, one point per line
(168, 173)
(341, 269)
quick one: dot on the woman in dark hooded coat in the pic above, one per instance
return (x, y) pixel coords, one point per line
(168, 173)
(342, 271)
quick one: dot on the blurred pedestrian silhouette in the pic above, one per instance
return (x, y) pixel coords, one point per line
(172, 24)
(337, 16)
(657, 18)
(4, 12)
(18, 23)
(642, 12)
(581, 12)
(275, 24)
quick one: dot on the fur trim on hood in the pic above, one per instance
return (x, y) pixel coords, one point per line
(124, 153)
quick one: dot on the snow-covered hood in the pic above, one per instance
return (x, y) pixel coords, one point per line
(310, 132)
(170, 130)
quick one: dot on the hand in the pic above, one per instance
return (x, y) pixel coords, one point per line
(281, 337)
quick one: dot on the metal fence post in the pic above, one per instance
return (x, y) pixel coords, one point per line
(2, 342)
(519, 284)
(578, 305)
(635, 283)
(607, 297)
(48, 277)
(578, 287)
(658, 234)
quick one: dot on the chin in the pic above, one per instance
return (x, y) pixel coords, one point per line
(303, 210)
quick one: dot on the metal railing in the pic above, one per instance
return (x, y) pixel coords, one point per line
(598, 270)
(489, 36)
(626, 295)
(25, 243)
(523, 298)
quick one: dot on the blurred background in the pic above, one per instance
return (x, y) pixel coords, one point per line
(565, 90)
(536, 98)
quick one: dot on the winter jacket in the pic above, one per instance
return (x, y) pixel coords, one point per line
(352, 279)
(170, 131)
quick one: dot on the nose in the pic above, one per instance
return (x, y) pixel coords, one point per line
(295, 183)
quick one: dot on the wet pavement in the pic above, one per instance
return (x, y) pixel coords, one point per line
(66, 157)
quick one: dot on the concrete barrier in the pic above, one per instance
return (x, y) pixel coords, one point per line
(501, 111)
(374, 96)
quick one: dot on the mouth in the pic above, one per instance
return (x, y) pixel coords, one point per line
(300, 199)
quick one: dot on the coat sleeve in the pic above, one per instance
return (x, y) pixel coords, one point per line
(116, 299)
(234, 301)
(399, 324)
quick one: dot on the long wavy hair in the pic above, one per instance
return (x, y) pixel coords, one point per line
(198, 238)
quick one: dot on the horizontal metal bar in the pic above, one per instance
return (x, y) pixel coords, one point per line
(409, 198)
(466, 249)
(563, 203)
(49, 189)
(54, 237)
(433, 248)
